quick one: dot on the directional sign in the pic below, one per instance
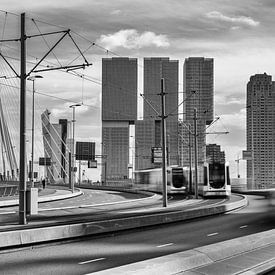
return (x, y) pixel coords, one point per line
(85, 151)
(45, 161)
(156, 155)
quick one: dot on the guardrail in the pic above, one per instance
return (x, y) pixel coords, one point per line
(8, 190)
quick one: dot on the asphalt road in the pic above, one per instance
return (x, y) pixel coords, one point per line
(97, 205)
(97, 253)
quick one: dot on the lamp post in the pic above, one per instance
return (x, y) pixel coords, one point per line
(32, 78)
(73, 151)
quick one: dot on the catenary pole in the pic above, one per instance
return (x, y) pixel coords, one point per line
(22, 176)
(190, 159)
(196, 153)
(163, 134)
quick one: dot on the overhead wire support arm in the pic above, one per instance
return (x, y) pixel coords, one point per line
(10, 40)
(47, 33)
(86, 61)
(68, 68)
(214, 121)
(9, 65)
(59, 40)
(150, 104)
(171, 113)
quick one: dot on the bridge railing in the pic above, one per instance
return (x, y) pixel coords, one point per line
(8, 190)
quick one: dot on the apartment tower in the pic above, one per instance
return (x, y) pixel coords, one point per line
(260, 130)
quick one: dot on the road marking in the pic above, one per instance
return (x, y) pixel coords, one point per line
(91, 261)
(212, 234)
(163, 245)
(243, 226)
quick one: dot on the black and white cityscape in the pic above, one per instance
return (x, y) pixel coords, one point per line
(137, 137)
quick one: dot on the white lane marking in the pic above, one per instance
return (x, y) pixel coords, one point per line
(243, 226)
(212, 234)
(163, 245)
(91, 261)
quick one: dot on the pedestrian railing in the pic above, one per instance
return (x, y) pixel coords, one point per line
(9, 190)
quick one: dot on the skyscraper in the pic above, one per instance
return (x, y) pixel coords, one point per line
(214, 153)
(198, 93)
(198, 77)
(156, 68)
(260, 130)
(119, 111)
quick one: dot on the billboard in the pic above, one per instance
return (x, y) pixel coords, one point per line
(85, 150)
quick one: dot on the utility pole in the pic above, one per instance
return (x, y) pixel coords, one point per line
(22, 176)
(196, 153)
(23, 76)
(163, 134)
(190, 158)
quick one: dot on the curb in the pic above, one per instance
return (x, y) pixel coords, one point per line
(187, 261)
(43, 199)
(61, 232)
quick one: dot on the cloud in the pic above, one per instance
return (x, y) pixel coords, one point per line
(115, 12)
(131, 39)
(239, 19)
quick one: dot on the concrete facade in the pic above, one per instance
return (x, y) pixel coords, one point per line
(198, 77)
(148, 132)
(119, 111)
(119, 89)
(261, 130)
(214, 153)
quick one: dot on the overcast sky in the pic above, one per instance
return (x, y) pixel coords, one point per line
(239, 35)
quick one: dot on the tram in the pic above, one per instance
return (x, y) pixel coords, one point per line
(215, 181)
(151, 179)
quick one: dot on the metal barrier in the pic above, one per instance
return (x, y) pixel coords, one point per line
(8, 190)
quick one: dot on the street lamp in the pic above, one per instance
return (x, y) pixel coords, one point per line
(32, 78)
(73, 151)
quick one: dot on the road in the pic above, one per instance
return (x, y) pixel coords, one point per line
(97, 253)
(96, 205)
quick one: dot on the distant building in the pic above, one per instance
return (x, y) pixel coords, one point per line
(147, 136)
(55, 143)
(198, 92)
(148, 131)
(198, 77)
(260, 130)
(119, 111)
(214, 154)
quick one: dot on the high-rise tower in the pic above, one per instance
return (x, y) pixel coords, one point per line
(119, 111)
(156, 68)
(260, 130)
(198, 92)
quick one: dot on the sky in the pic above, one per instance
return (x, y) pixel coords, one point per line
(239, 35)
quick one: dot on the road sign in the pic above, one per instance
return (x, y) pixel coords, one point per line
(85, 151)
(156, 155)
(45, 161)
